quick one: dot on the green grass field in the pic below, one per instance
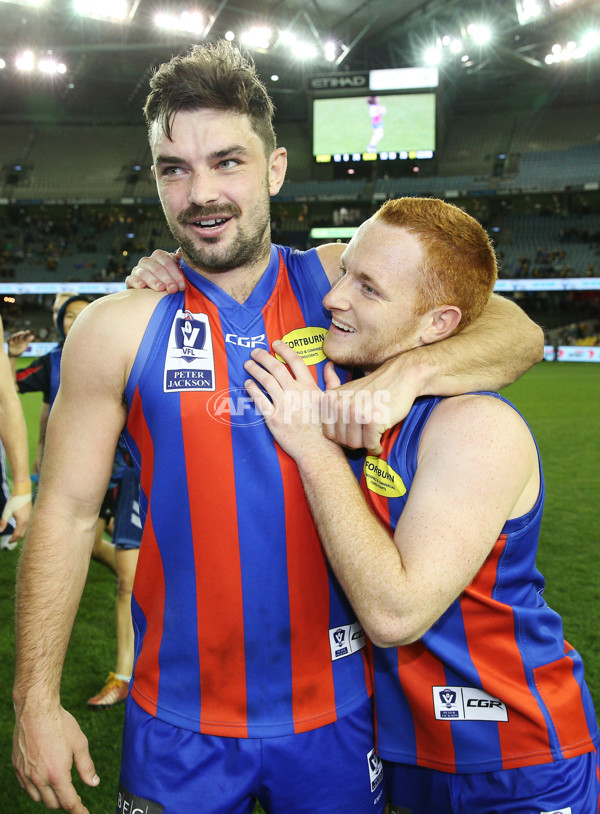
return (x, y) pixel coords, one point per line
(561, 402)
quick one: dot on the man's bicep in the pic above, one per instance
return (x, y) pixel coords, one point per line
(83, 428)
(460, 498)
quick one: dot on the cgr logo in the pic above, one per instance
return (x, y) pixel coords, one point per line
(246, 341)
(485, 702)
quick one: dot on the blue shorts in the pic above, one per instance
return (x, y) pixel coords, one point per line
(168, 770)
(128, 528)
(565, 787)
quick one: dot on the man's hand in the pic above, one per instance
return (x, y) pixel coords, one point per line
(160, 272)
(357, 414)
(44, 748)
(19, 342)
(293, 413)
(19, 507)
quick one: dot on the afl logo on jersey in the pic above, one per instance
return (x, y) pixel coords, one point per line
(189, 361)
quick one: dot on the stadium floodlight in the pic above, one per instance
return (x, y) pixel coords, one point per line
(190, 22)
(456, 46)
(304, 50)
(479, 33)
(590, 40)
(433, 57)
(112, 10)
(257, 37)
(25, 62)
(229, 36)
(528, 10)
(329, 49)
(49, 65)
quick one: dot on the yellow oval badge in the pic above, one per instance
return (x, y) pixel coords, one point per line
(308, 344)
(381, 478)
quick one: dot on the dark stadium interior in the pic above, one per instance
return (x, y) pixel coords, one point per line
(517, 137)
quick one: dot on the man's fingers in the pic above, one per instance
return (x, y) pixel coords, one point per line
(331, 378)
(160, 272)
(263, 404)
(64, 796)
(85, 765)
(295, 363)
(267, 370)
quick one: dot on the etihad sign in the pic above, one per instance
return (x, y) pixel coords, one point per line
(347, 81)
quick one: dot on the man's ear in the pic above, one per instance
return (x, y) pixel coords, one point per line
(441, 323)
(277, 168)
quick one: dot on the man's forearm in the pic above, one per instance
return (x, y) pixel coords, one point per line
(51, 578)
(13, 432)
(360, 550)
(496, 350)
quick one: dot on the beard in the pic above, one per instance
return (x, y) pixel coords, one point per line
(370, 354)
(250, 244)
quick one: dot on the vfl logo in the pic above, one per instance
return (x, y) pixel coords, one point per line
(189, 362)
(339, 636)
(346, 640)
(448, 698)
(375, 769)
(190, 334)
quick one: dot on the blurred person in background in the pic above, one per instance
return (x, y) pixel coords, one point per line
(15, 503)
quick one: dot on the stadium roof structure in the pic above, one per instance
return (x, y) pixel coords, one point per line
(107, 64)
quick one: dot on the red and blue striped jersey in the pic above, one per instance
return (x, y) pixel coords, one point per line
(492, 685)
(241, 628)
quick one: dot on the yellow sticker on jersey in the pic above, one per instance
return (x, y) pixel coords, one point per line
(308, 344)
(381, 478)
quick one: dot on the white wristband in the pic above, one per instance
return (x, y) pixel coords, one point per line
(14, 503)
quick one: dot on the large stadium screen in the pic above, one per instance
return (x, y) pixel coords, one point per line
(364, 128)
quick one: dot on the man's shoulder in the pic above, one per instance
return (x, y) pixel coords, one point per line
(113, 326)
(474, 419)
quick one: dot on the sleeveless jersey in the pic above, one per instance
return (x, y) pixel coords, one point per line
(492, 685)
(241, 628)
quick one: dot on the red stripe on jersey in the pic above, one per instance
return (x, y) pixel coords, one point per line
(558, 686)
(495, 654)
(150, 592)
(218, 569)
(417, 668)
(379, 503)
(307, 570)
